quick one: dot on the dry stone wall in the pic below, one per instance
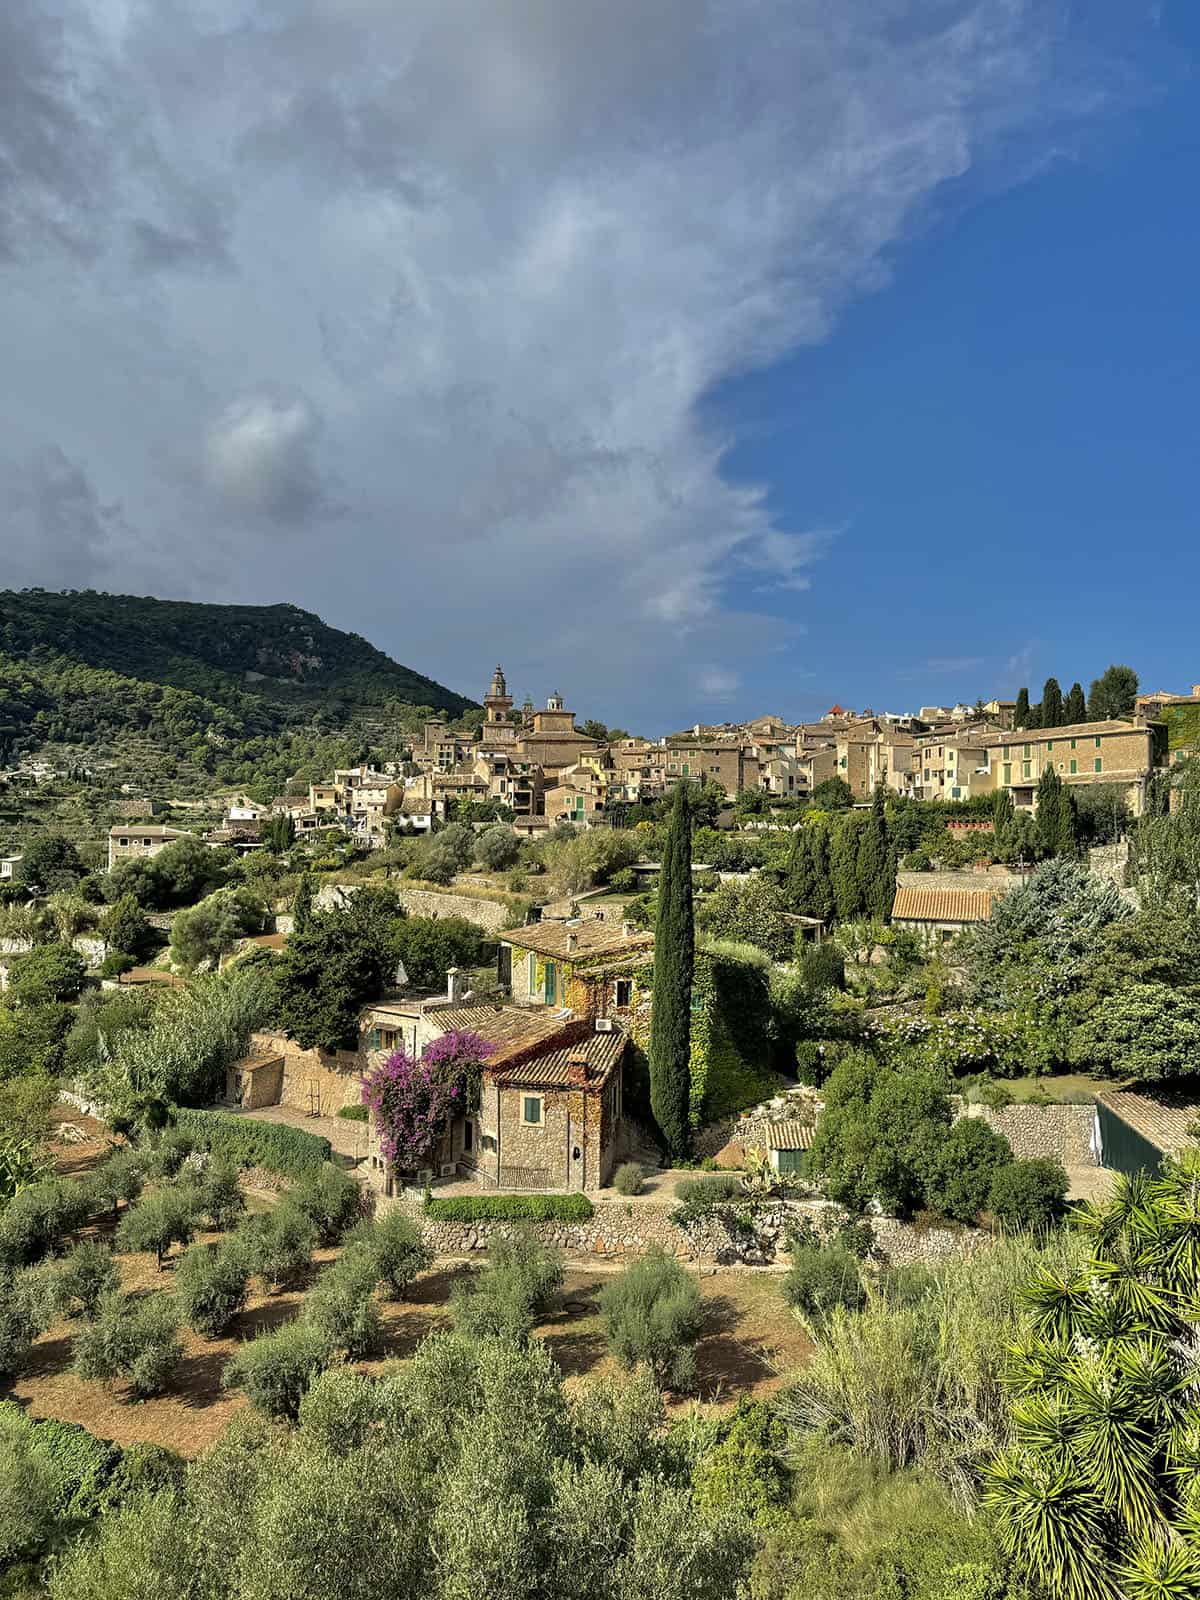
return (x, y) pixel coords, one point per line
(1068, 1133)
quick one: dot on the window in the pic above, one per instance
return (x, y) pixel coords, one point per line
(1026, 769)
(531, 964)
(123, 841)
(468, 1135)
(531, 1110)
(551, 983)
(1074, 763)
(387, 1039)
(1049, 744)
(1028, 750)
(1098, 764)
(1004, 752)
(1006, 775)
(1073, 744)
(487, 1141)
(623, 992)
(1097, 741)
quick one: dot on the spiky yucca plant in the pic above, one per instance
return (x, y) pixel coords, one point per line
(1099, 1493)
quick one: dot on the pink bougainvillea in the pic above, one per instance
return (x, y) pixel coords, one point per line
(411, 1100)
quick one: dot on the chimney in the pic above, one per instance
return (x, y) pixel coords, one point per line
(577, 1071)
(456, 985)
(572, 943)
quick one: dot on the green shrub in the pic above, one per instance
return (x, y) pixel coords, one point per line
(115, 963)
(121, 1176)
(958, 1177)
(276, 1369)
(823, 966)
(250, 1143)
(39, 1217)
(338, 1409)
(211, 1283)
(399, 1252)
(342, 1305)
(702, 1197)
(162, 1218)
(219, 1195)
(821, 1277)
(25, 1312)
(82, 1465)
(511, 1208)
(27, 1498)
(172, 1150)
(279, 1243)
(354, 1113)
(745, 1469)
(521, 1280)
(85, 1276)
(1029, 1194)
(652, 1315)
(144, 1469)
(330, 1199)
(629, 1178)
(133, 1337)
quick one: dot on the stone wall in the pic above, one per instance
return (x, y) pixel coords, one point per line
(320, 1080)
(629, 1227)
(1065, 1132)
(490, 915)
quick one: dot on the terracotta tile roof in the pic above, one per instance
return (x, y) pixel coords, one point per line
(579, 939)
(511, 1026)
(790, 1136)
(1162, 1118)
(602, 1052)
(1073, 730)
(942, 905)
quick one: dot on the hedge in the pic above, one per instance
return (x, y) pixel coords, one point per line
(511, 1208)
(354, 1113)
(274, 1145)
(81, 1463)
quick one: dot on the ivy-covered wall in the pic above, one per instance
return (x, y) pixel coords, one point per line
(1183, 727)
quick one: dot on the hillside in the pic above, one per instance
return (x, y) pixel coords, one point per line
(211, 687)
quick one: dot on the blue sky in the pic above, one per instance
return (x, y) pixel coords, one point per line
(694, 357)
(1005, 440)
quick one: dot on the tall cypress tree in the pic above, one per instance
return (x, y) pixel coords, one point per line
(1075, 706)
(1021, 711)
(1055, 815)
(802, 872)
(671, 1012)
(302, 905)
(823, 905)
(1052, 704)
(1002, 820)
(843, 869)
(876, 864)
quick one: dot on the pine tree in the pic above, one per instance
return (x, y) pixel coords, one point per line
(876, 863)
(1075, 706)
(1052, 704)
(843, 865)
(302, 905)
(1113, 694)
(1021, 711)
(671, 1012)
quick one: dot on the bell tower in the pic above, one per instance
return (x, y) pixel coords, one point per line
(497, 702)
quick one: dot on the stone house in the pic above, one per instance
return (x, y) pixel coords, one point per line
(1119, 753)
(588, 967)
(130, 842)
(936, 914)
(952, 767)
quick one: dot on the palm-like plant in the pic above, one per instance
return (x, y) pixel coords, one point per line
(1095, 1494)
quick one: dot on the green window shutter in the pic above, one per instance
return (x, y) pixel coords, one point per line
(1099, 764)
(531, 967)
(1074, 763)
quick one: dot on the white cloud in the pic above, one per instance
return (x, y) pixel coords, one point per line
(260, 454)
(477, 265)
(716, 683)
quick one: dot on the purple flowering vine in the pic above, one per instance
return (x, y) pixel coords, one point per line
(411, 1099)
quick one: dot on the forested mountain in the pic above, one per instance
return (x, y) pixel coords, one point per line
(203, 682)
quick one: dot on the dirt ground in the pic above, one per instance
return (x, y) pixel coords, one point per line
(73, 1158)
(750, 1341)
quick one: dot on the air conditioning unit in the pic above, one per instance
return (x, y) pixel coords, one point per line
(605, 1025)
(449, 1169)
